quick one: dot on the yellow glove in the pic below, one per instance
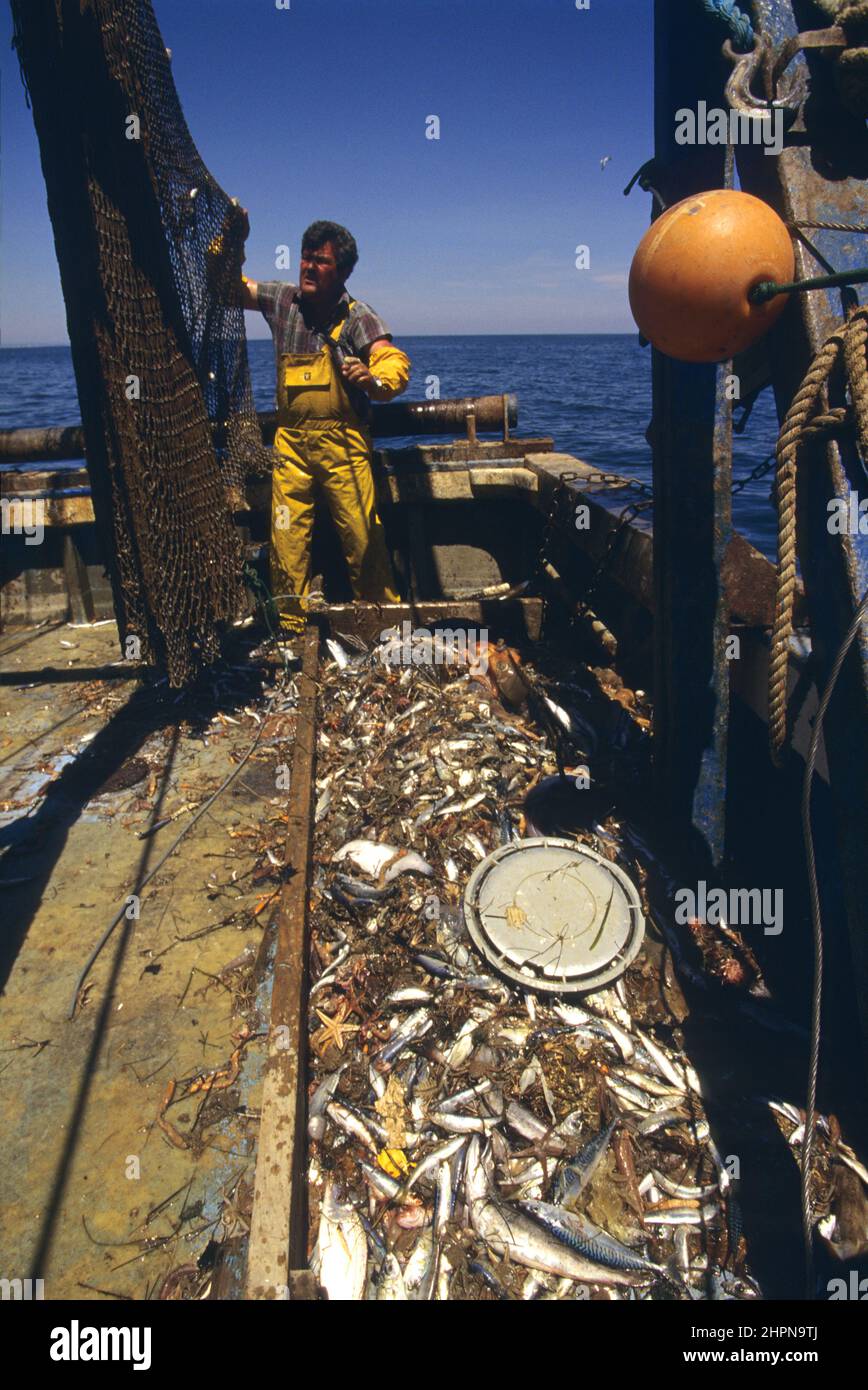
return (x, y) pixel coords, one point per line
(392, 366)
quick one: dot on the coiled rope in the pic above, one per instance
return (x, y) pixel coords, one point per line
(740, 28)
(846, 349)
(851, 65)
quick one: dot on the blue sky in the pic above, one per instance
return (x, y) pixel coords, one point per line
(320, 111)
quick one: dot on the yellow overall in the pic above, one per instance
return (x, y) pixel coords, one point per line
(322, 443)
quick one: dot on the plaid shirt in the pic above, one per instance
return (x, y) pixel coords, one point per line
(279, 302)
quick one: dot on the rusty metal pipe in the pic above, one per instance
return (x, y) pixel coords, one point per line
(55, 443)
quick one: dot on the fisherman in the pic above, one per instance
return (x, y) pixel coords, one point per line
(334, 356)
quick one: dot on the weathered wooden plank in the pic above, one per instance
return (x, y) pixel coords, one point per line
(483, 470)
(77, 582)
(278, 1220)
(522, 616)
(462, 451)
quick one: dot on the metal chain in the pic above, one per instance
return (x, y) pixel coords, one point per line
(625, 516)
(550, 524)
(759, 472)
(628, 513)
(618, 480)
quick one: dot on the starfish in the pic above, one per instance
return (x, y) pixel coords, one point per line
(333, 1029)
(353, 997)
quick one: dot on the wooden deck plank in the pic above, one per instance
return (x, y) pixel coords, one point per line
(278, 1221)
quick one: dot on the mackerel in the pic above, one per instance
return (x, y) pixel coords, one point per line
(511, 1233)
(587, 1239)
(574, 1175)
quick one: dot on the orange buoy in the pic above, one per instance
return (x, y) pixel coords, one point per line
(695, 267)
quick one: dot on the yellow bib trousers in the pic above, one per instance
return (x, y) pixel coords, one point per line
(322, 445)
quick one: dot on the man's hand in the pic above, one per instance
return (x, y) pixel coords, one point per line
(235, 223)
(244, 220)
(355, 371)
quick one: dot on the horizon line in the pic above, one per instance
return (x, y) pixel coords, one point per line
(591, 333)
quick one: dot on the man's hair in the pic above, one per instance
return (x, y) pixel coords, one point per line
(346, 251)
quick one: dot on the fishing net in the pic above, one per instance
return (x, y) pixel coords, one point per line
(150, 248)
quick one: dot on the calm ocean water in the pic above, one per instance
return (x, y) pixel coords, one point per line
(591, 393)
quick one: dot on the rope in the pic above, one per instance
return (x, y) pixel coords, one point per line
(740, 27)
(856, 366)
(851, 65)
(847, 346)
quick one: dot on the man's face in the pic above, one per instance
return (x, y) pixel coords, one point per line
(319, 273)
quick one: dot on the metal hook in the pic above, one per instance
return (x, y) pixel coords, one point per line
(787, 97)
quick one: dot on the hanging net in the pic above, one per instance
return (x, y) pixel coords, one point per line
(150, 251)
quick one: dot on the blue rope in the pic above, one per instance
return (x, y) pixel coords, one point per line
(740, 27)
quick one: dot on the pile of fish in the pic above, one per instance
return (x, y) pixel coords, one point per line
(468, 1139)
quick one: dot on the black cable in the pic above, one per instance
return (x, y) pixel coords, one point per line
(817, 930)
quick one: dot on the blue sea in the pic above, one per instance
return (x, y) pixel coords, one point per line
(591, 393)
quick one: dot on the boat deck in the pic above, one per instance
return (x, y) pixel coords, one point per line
(136, 1121)
(98, 1198)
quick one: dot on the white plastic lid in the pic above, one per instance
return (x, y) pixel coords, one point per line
(553, 915)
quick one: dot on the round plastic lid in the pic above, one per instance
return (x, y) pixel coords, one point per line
(553, 915)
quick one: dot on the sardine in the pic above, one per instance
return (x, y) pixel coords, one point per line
(414, 1027)
(683, 1216)
(410, 995)
(385, 1186)
(363, 892)
(664, 1120)
(350, 1123)
(464, 1124)
(456, 808)
(433, 1160)
(685, 1190)
(338, 654)
(652, 1084)
(475, 845)
(632, 1097)
(445, 1200)
(450, 1104)
(434, 965)
(319, 1100)
(525, 1123)
(667, 1068)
